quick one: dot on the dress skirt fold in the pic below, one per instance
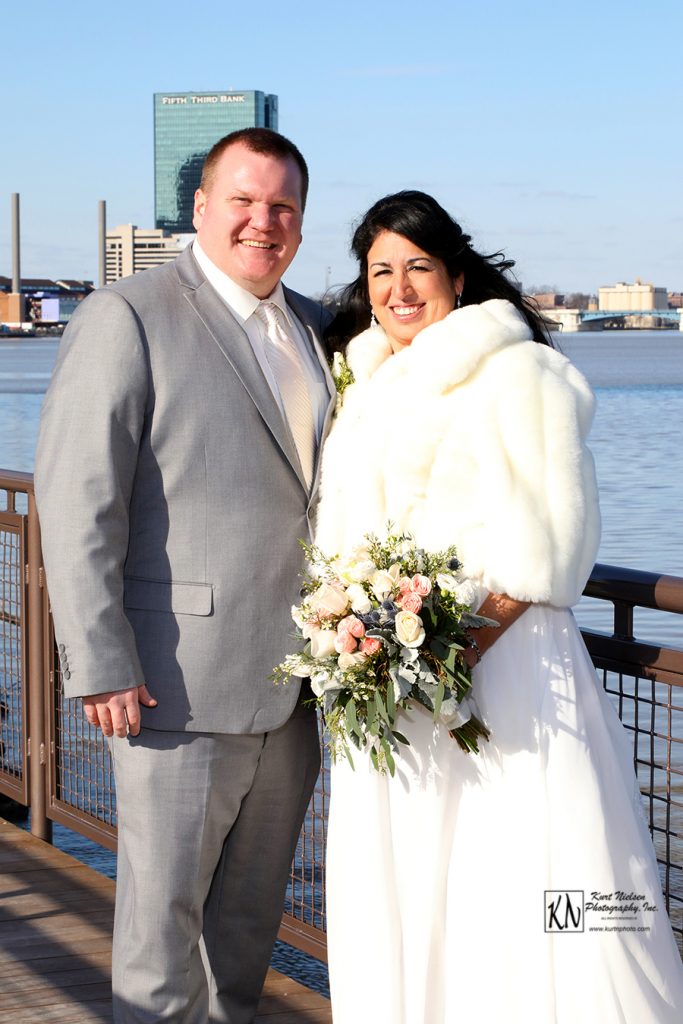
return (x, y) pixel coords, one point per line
(439, 879)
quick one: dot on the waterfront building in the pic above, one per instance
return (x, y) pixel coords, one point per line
(186, 125)
(41, 300)
(548, 300)
(130, 249)
(12, 308)
(638, 296)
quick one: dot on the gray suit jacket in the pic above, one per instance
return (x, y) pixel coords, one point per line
(172, 503)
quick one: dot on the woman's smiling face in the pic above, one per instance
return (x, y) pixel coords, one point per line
(408, 288)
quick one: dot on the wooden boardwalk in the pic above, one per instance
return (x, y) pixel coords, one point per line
(55, 943)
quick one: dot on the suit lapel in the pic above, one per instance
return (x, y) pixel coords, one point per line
(331, 386)
(236, 347)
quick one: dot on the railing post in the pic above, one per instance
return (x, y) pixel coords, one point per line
(623, 620)
(41, 826)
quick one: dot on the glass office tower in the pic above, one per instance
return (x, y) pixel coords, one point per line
(186, 125)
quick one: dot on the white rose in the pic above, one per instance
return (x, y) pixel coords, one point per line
(360, 602)
(321, 682)
(357, 566)
(384, 581)
(349, 660)
(322, 642)
(361, 571)
(409, 629)
(464, 591)
(328, 600)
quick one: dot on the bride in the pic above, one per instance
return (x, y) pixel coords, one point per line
(519, 885)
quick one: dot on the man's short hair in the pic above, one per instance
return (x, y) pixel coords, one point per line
(258, 140)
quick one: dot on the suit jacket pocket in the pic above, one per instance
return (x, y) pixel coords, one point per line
(168, 596)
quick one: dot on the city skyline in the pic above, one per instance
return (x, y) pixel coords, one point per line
(538, 136)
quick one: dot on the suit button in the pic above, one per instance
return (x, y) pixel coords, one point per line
(67, 674)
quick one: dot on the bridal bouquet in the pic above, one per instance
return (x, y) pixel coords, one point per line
(384, 627)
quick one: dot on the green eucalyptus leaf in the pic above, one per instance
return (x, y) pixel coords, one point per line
(391, 701)
(438, 698)
(391, 764)
(381, 709)
(352, 721)
(439, 647)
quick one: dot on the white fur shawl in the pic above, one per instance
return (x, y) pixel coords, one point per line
(474, 435)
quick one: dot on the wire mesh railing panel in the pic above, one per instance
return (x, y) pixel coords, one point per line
(83, 794)
(13, 709)
(652, 714)
(304, 910)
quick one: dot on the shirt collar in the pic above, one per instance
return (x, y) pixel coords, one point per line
(240, 301)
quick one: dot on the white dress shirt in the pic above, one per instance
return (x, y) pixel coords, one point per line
(242, 304)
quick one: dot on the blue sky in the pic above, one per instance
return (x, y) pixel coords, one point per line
(554, 133)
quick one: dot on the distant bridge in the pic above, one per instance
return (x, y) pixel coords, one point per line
(611, 314)
(591, 320)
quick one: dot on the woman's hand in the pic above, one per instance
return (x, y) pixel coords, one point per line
(505, 610)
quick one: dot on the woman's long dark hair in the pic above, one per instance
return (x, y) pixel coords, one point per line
(419, 218)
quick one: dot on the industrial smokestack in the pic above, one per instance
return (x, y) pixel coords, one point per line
(16, 255)
(102, 250)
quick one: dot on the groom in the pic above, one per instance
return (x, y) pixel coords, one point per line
(176, 472)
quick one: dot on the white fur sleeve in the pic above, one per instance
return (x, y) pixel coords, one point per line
(542, 514)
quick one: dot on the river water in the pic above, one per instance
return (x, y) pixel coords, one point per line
(636, 440)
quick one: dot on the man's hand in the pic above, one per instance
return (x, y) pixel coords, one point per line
(119, 710)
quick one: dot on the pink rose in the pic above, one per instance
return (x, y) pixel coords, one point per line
(405, 584)
(345, 643)
(411, 602)
(421, 585)
(370, 645)
(352, 625)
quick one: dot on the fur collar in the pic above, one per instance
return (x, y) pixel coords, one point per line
(445, 353)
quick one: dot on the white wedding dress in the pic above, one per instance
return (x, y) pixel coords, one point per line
(439, 878)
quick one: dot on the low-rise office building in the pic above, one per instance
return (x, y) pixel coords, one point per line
(131, 249)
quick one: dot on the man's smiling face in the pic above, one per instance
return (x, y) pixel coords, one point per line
(249, 218)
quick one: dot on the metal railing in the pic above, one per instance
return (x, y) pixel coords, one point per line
(52, 760)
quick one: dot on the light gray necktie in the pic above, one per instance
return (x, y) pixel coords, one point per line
(285, 362)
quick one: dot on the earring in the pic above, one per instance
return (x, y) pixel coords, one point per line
(373, 318)
(458, 301)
